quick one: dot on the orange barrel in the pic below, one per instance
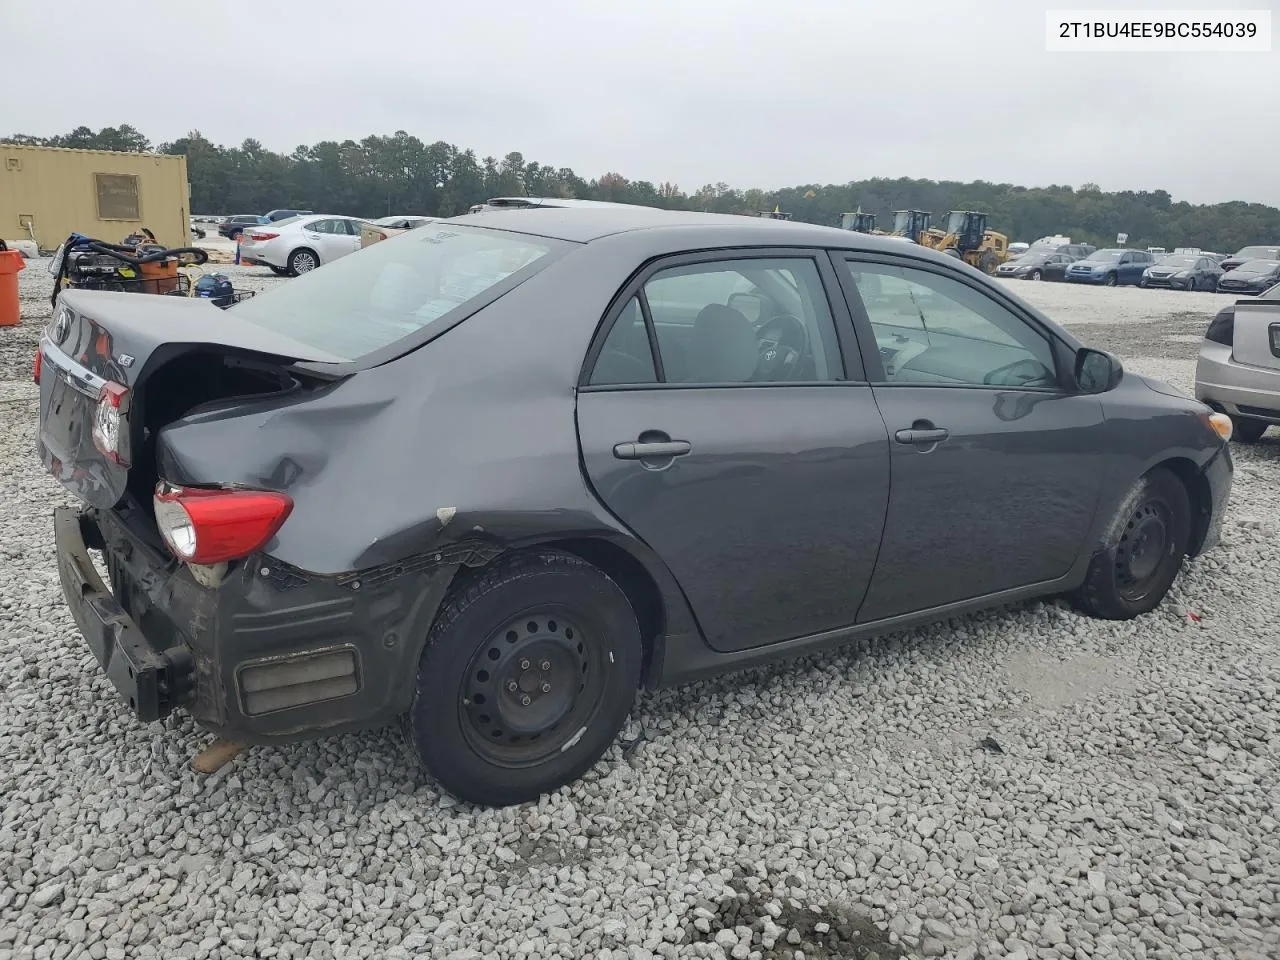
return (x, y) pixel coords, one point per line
(163, 276)
(10, 263)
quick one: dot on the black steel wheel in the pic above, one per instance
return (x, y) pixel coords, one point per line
(530, 687)
(1142, 551)
(526, 678)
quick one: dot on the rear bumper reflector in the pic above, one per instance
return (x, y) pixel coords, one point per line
(278, 683)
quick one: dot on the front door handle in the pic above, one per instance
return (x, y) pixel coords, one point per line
(922, 435)
(658, 450)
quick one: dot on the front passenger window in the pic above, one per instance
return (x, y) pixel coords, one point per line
(933, 329)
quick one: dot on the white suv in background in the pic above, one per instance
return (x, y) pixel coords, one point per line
(300, 244)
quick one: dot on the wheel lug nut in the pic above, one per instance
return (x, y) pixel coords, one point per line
(545, 665)
(512, 686)
(524, 664)
(525, 700)
(546, 688)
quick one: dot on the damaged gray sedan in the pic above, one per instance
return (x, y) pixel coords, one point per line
(495, 474)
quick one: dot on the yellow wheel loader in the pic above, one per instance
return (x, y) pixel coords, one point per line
(860, 222)
(967, 238)
(911, 224)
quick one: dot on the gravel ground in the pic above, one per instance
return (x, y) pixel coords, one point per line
(1022, 783)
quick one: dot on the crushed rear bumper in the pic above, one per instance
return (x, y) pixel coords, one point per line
(267, 654)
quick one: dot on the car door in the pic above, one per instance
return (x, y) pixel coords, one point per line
(351, 236)
(995, 461)
(725, 422)
(327, 236)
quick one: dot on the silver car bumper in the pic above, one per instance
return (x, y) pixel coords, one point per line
(1236, 388)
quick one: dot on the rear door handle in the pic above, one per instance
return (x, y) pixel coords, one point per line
(652, 451)
(918, 435)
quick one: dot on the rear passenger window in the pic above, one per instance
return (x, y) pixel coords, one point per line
(747, 321)
(744, 321)
(626, 357)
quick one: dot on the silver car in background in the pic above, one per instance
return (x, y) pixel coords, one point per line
(300, 244)
(1238, 372)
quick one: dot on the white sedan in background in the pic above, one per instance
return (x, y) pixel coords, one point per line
(300, 244)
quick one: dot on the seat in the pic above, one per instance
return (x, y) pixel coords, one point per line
(723, 348)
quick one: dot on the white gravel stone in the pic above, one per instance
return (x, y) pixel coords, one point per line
(1141, 753)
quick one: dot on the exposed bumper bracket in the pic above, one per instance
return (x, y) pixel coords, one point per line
(152, 681)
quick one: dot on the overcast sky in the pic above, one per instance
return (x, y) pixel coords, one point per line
(691, 91)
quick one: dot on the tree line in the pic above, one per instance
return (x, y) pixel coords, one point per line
(402, 174)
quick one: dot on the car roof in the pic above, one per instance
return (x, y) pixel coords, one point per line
(586, 224)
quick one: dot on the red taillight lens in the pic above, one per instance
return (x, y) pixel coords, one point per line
(210, 526)
(108, 423)
(35, 375)
(255, 235)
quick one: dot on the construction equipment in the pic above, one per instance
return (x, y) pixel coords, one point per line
(967, 238)
(774, 214)
(911, 224)
(859, 222)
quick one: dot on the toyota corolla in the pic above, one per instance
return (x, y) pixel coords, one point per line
(494, 474)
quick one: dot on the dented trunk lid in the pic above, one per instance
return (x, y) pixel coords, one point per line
(98, 338)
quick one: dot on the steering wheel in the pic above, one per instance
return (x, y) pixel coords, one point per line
(1017, 374)
(784, 340)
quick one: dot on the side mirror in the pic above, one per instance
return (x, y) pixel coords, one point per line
(1097, 371)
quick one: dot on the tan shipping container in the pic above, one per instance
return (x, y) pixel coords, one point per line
(50, 192)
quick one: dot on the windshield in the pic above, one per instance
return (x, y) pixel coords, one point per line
(1258, 266)
(1105, 256)
(955, 222)
(1178, 260)
(902, 221)
(356, 305)
(1258, 253)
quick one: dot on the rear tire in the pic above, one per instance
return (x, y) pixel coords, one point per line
(1247, 430)
(302, 260)
(1142, 551)
(527, 676)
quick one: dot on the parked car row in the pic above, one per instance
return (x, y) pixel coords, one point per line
(1251, 270)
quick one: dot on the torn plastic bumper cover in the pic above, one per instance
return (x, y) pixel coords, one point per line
(269, 654)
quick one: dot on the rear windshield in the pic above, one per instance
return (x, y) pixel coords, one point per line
(390, 290)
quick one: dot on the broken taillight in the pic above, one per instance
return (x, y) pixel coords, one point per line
(207, 526)
(108, 423)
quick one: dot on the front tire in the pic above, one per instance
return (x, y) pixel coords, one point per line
(1037, 275)
(1247, 430)
(1142, 551)
(1110, 281)
(279, 271)
(526, 678)
(302, 261)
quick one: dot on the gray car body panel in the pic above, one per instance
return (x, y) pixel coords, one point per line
(472, 439)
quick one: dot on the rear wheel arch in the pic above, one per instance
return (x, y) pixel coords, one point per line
(616, 562)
